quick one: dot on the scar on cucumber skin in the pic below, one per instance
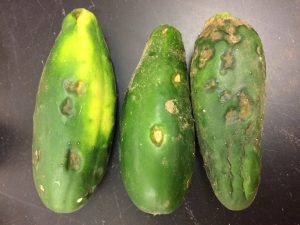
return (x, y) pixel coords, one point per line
(215, 35)
(233, 39)
(205, 54)
(243, 111)
(170, 106)
(42, 188)
(79, 200)
(245, 106)
(37, 155)
(176, 78)
(225, 96)
(77, 87)
(156, 135)
(66, 106)
(231, 116)
(165, 30)
(210, 85)
(249, 129)
(227, 60)
(73, 160)
(98, 172)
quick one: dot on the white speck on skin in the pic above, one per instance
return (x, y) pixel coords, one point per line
(42, 188)
(79, 200)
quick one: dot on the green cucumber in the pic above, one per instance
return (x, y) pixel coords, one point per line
(228, 75)
(157, 133)
(74, 115)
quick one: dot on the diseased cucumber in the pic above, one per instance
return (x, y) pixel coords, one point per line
(228, 75)
(157, 133)
(74, 115)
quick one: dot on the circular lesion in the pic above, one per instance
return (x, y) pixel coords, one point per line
(66, 107)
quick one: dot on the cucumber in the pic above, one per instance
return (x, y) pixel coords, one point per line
(74, 115)
(157, 133)
(228, 73)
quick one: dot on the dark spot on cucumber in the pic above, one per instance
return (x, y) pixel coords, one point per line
(66, 106)
(156, 135)
(73, 160)
(210, 85)
(76, 13)
(227, 61)
(205, 54)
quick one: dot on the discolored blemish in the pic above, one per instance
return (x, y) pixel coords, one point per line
(210, 85)
(225, 96)
(79, 200)
(156, 135)
(66, 106)
(176, 78)
(193, 71)
(187, 183)
(76, 13)
(170, 106)
(215, 35)
(73, 160)
(77, 87)
(42, 188)
(231, 116)
(258, 50)
(205, 54)
(245, 106)
(230, 29)
(167, 204)
(227, 61)
(249, 129)
(57, 183)
(37, 155)
(233, 39)
(165, 30)
(98, 172)
(164, 161)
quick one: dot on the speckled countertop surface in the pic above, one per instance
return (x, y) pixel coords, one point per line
(28, 30)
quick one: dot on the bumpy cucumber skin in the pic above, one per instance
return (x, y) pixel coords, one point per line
(74, 115)
(157, 133)
(228, 74)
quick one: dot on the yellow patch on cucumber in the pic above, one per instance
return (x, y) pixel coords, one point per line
(156, 135)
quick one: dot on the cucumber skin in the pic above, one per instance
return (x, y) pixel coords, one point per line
(228, 75)
(74, 115)
(156, 170)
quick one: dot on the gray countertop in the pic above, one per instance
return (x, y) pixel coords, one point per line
(28, 31)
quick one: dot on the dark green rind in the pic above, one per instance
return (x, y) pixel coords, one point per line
(228, 92)
(74, 115)
(157, 171)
